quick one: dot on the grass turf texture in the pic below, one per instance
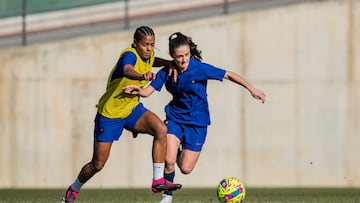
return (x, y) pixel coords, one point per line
(254, 195)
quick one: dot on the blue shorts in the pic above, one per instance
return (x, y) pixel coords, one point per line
(110, 129)
(191, 137)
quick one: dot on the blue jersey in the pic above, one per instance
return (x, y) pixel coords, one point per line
(189, 104)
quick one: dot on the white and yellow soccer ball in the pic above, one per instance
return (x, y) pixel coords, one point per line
(231, 190)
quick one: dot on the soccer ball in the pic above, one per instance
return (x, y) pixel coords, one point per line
(231, 190)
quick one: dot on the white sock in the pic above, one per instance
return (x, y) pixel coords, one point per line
(76, 185)
(158, 170)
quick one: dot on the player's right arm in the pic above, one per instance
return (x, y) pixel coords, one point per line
(130, 73)
(136, 90)
(156, 84)
(127, 63)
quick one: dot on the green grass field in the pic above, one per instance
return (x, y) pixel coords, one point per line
(254, 195)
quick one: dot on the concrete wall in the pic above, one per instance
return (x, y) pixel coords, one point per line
(304, 57)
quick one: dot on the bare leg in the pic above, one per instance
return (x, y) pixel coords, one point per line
(151, 124)
(100, 156)
(187, 160)
(173, 144)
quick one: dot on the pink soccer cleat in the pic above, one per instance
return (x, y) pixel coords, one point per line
(70, 196)
(161, 184)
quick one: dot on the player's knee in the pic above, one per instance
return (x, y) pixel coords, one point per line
(186, 170)
(170, 164)
(160, 131)
(97, 165)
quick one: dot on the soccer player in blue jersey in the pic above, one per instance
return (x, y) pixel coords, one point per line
(117, 110)
(187, 114)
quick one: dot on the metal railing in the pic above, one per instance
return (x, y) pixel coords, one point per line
(121, 12)
(24, 11)
(11, 8)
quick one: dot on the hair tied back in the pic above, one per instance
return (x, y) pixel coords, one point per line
(173, 36)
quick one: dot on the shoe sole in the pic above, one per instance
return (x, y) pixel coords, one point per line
(161, 188)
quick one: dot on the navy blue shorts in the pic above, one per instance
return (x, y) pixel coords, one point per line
(110, 129)
(191, 137)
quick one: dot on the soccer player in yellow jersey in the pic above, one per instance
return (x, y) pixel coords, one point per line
(117, 110)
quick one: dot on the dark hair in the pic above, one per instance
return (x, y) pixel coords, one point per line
(140, 32)
(178, 39)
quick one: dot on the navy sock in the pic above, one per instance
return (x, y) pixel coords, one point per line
(169, 177)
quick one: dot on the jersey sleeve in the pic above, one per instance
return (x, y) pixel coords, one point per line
(126, 58)
(213, 72)
(160, 79)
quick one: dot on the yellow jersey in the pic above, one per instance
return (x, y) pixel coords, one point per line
(116, 104)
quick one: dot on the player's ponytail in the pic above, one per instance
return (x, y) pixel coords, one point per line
(178, 39)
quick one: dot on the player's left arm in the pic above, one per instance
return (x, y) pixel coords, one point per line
(256, 93)
(160, 62)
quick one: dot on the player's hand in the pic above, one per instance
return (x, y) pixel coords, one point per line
(132, 89)
(149, 76)
(258, 94)
(173, 71)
